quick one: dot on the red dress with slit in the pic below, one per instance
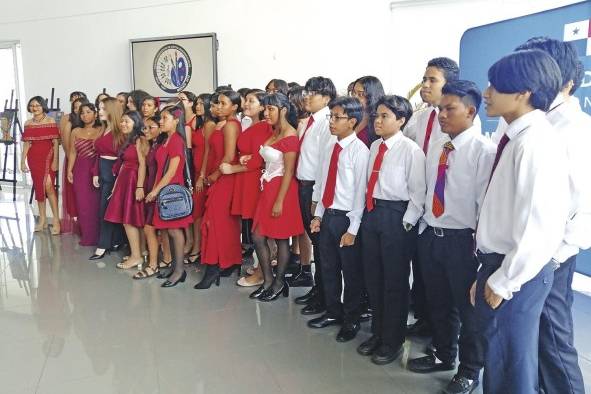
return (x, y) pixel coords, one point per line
(198, 145)
(123, 207)
(40, 154)
(289, 223)
(173, 147)
(220, 230)
(247, 186)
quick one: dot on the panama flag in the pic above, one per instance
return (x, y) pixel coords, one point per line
(580, 34)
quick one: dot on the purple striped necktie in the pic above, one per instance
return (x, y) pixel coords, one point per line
(504, 140)
(439, 192)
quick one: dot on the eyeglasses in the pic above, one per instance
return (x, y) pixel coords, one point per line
(334, 117)
(307, 93)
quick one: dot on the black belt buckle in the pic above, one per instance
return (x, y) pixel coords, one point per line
(438, 231)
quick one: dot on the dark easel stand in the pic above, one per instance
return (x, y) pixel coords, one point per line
(9, 123)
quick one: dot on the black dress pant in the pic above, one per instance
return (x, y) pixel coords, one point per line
(387, 249)
(305, 190)
(558, 359)
(417, 291)
(110, 234)
(449, 269)
(338, 264)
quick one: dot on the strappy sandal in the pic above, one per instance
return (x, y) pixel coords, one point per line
(197, 258)
(164, 264)
(125, 265)
(146, 273)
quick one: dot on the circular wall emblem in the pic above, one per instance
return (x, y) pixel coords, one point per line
(172, 68)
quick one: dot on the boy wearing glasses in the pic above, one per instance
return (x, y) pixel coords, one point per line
(457, 170)
(338, 217)
(394, 200)
(318, 92)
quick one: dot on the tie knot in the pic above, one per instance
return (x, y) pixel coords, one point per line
(448, 146)
(337, 148)
(504, 140)
(383, 147)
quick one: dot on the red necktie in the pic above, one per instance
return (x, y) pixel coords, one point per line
(500, 148)
(429, 130)
(439, 192)
(373, 179)
(331, 179)
(308, 125)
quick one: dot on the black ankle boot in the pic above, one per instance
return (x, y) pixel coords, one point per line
(212, 274)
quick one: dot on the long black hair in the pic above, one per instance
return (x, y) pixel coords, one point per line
(136, 132)
(74, 117)
(373, 92)
(90, 106)
(201, 120)
(281, 101)
(260, 95)
(177, 112)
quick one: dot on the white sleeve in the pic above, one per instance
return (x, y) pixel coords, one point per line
(417, 187)
(324, 138)
(360, 170)
(486, 159)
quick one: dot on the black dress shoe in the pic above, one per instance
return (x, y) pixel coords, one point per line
(428, 364)
(313, 309)
(368, 347)
(98, 256)
(430, 349)
(385, 354)
(257, 293)
(460, 385)
(270, 295)
(168, 283)
(304, 300)
(420, 328)
(324, 321)
(302, 279)
(348, 331)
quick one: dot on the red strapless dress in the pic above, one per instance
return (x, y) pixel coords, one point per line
(40, 154)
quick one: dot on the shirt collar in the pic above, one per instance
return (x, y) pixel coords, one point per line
(321, 114)
(523, 122)
(462, 138)
(560, 99)
(392, 140)
(347, 140)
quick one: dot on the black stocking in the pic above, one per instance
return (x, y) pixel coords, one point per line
(283, 254)
(177, 238)
(264, 257)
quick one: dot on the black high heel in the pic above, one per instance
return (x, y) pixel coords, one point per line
(257, 293)
(212, 274)
(268, 294)
(173, 284)
(230, 270)
(99, 256)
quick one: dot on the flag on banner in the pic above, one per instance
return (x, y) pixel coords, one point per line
(579, 33)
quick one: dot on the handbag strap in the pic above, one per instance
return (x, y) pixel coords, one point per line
(186, 171)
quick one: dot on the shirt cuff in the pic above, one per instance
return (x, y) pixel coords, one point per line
(353, 226)
(319, 211)
(502, 286)
(565, 251)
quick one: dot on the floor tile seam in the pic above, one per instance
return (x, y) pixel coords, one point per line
(44, 365)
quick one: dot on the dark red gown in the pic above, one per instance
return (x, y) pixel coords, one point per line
(220, 230)
(40, 154)
(289, 223)
(198, 145)
(151, 169)
(247, 185)
(87, 196)
(173, 147)
(123, 207)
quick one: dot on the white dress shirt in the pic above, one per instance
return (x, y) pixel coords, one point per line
(466, 178)
(526, 206)
(416, 128)
(317, 136)
(574, 129)
(402, 174)
(351, 180)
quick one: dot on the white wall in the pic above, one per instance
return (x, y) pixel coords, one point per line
(76, 45)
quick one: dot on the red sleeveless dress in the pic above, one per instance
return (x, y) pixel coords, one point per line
(123, 207)
(247, 186)
(198, 145)
(220, 230)
(290, 222)
(40, 154)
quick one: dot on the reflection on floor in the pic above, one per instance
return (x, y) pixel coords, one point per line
(68, 325)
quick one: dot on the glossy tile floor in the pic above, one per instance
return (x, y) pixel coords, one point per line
(68, 325)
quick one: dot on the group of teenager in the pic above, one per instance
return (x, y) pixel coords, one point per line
(491, 228)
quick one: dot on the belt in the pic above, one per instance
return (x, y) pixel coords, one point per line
(396, 205)
(306, 183)
(450, 232)
(335, 212)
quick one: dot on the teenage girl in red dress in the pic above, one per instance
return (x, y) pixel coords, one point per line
(220, 231)
(172, 123)
(247, 186)
(40, 151)
(277, 215)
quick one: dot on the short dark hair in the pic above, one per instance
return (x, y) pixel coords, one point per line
(42, 102)
(449, 68)
(400, 106)
(280, 85)
(467, 91)
(296, 97)
(579, 75)
(280, 101)
(564, 53)
(530, 70)
(351, 107)
(243, 91)
(322, 86)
